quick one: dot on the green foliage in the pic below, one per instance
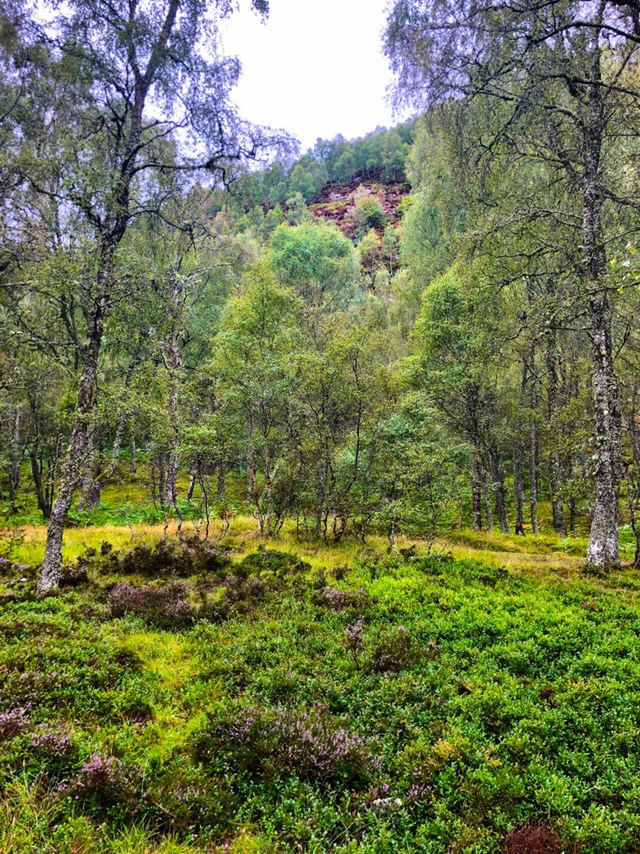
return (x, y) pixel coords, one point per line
(369, 213)
(307, 177)
(426, 702)
(316, 260)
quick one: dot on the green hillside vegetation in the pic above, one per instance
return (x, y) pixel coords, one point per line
(189, 698)
(319, 474)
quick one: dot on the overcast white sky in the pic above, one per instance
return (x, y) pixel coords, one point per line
(315, 68)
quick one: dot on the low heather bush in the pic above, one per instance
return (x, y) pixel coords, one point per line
(187, 801)
(54, 743)
(191, 556)
(242, 594)
(9, 567)
(340, 600)
(394, 653)
(53, 751)
(282, 564)
(312, 745)
(13, 722)
(355, 636)
(166, 606)
(103, 782)
(308, 744)
(74, 576)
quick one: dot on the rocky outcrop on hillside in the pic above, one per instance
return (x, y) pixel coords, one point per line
(337, 203)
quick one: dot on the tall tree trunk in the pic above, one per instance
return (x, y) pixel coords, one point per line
(36, 474)
(476, 493)
(500, 498)
(268, 489)
(532, 383)
(555, 467)
(75, 458)
(518, 482)
(486, 498)
(603, 550)
(192, 483)
(17, 452)
(222, 483)
(533, 466)
(251, 461)
(572, 516)
(173, 361)
(253, 487)
(322, 479)
(499, 490)
(132, 453)
(519, 454)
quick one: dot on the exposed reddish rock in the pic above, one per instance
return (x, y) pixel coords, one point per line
(336, 201)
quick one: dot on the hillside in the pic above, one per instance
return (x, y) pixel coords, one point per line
(336, 202)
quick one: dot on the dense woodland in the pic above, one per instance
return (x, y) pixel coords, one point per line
(320, 473)
(457, 356)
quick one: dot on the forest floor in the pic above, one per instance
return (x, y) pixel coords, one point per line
(292, 696)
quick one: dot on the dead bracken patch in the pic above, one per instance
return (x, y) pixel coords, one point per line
(532, 839)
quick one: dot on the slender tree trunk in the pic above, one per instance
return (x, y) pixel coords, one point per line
(633, 481)
(173, 360)
(476, 493)
(572, 516)
(251, 461)
(36, 474)
(322, 490)
(132, 454)
(532, 383)
(519, 465)
(17, 452)
(192, 484)
(222, 481)
(486, 497)
(518, 481)
(91, 495)
(603, 550)
(268, 489)
(253, 487)
(499, 490)
(555, 467)
(75, 458)
(500, 498)
(533, 475)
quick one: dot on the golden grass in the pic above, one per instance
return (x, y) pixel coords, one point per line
(544, 555)
(27, 543)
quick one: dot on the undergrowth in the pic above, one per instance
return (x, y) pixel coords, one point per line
(180, 700)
